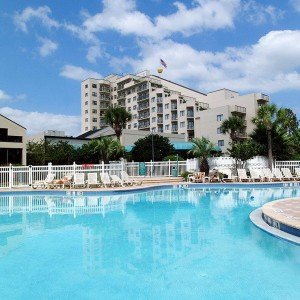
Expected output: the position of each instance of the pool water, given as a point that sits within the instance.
(160, 244)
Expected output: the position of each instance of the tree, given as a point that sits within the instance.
(243, 151)
(142, 149)
(266, 117)
(287, 120)
(233, 125)
(107, 149)
(202, 148)
(117, 117)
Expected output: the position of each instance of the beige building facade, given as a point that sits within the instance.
(162, 106)
(12, 142)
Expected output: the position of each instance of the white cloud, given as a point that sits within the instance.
(3, 96)
(36, 122)
(123, 16)
(93, 53)
(257, 13)
(78, 73)
(269, 65)
(48, 47)
(295, 4)
(28, 14)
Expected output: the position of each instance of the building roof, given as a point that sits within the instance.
(12, 121)
(86, 134)
(222, 90)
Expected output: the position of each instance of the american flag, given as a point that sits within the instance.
(163, 63)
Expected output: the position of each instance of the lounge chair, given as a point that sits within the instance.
(116, 180)
(197, 177)
(242, 176)
(79, 180)
(279, 175)
(255, 175)
(129, 180)
(269, 175)
(92, 180)
(43, 183)
(228, 173)
(287, 174)
(297, 171)
(105, 180)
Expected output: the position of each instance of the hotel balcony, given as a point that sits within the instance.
(174, 117)
(190, 127)
(202, 105)
(144, 115)
(239, 110)
(143, 107)
(159, 110)
(160, 121)
(144, 125)
(190, 114)
(262, 98)
(159, 100)
(242, 135)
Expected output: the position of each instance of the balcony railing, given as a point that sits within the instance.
(173, 107)
(144, 115)
(160, 121)
(241, 135)
(159, 110)
(143, 125)
(143, 106)
(159, 100)
(238, 109)
(174, 117)
(190, 114)
(190, 126)
(262, 97)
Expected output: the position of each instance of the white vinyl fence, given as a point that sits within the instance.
(24, 176)
(291, 164)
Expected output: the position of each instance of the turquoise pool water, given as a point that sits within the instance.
(162, 244)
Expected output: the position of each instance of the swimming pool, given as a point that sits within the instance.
(168, 243)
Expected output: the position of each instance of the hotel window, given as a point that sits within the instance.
(181, 113)
(167, 117)
(94, 85)
(86, 86)
(129, 108)
(86, 94)
(219, 130)
(128, 100)
(115, 88)
(86, 111)
(153, 99)
(86, 120)
(153, 109)
(115, 96)
(86, 128)
(134, 98)
(94, 119)
(167, 127)
(134, 107)
(134, 116)
(220, 143)
(94, 127)
(94, 94)
(135, 125)
(129, 126)
(94, 111)
(167, 106)
(153, 120)
(220, 117)
(86, 102)
(94, 102)
(182, 124)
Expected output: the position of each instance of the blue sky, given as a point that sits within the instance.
(48, 47)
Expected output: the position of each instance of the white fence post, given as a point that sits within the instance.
(10, 177)
(30, 175)
(102, 167)
(169, 167)
(74, 168)
(49, 168)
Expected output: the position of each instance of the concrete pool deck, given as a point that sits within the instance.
(280, 218)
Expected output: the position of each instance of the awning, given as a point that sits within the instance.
(178, 146)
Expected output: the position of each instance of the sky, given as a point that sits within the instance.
(48, 47)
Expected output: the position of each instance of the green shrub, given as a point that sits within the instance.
(185, 175)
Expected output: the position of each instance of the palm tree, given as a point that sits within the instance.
(202, 148)
(107, 148)
(233, 125)
(266, 117)
(117, 117)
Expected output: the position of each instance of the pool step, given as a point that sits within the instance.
(171, 180)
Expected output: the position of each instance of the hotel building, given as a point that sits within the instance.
(162, 106)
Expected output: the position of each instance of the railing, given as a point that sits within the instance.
(291, 164)
(238, 109)
(25, 176)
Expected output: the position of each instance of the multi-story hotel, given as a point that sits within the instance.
(159, 105)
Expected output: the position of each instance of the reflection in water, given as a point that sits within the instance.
(155, 232)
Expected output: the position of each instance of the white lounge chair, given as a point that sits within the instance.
(255, 175)
(105, 180)
(268, 174)
(92, 180)
(279, 175)
(79, 180)
(43, 183)
(297, 171)
(242, 175)
(287, 174)
(116, 180)
(129, 180)
(230, 177)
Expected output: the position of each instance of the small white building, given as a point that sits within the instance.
(12, 142)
